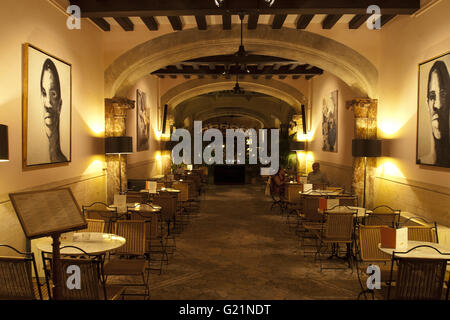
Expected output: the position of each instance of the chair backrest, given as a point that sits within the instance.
(90, 272)
(339, 226)
(16, 281)
(168, 203)
(369, 238)
(422, 233)
(382, 216)
(293, 192)
(134, 232)
(418, 279)
(310, 208)
(94, 225)
(183, 187)
(101, 211)
(351, 201)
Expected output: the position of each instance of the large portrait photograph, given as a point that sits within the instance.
(47, 109)
(143, 121)
(330, 122)
(433, 118)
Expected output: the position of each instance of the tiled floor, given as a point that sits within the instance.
(236, 248)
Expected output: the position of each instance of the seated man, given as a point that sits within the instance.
(316, 176)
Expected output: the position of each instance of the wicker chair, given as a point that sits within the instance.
(416, 232)
(417, 278)
(168, 203)
(154, 236)
(135, 234)
(382, 216)
(101, 211)
(92, 282)
(293, 204)
(94, 225)
(16, 279)
(369, 253)
(310, 220)
(337, 229)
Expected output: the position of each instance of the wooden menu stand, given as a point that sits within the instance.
(49, 213)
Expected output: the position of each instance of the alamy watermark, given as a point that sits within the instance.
(74, 20)
(74, 280)
(213, 152)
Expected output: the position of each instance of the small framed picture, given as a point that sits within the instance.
(47, 109)
(433, 118)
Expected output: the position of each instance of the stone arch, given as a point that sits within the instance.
(342, 61)
(274, 88)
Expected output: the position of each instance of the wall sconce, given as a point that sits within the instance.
(367, 148)
(119, 145)
(4, 150)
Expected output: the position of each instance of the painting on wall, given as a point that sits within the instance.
(330, 122)
(47, 109)
(433, 118)
(143, 121)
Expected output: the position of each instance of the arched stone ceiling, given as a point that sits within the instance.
(196, 87)
(327, 54)
(260, 107)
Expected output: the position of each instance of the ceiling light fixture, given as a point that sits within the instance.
(270, 2)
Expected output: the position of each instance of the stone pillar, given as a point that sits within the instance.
(115, 126)
(365, 111)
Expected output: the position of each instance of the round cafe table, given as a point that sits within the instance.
(423, 252)
(94, 243)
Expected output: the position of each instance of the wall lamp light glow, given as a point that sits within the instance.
(389, 168)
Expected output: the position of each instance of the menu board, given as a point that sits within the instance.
(42, 213)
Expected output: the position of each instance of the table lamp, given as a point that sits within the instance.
(119, 145)
(4, 153)
(367, 148)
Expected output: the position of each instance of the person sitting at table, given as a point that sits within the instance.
(317, 176)
(278, 182)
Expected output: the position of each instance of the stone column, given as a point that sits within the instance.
(365, 111)
(115, 126)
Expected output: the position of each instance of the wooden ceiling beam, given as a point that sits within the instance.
(176, 23)
(125, 23)
(226, 21)
(253, 21)
(201, 22)
(151, 23)
(136, 8)
(357, 21)
(330, 20)
(102, 23)
(278, 21)
(304, 20)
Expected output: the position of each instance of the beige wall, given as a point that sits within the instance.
(146, 164)
(406, 42)
(41, 24)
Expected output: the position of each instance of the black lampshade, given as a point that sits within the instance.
(366, 148)
(297, 145)
(4, 150)
(118, 145)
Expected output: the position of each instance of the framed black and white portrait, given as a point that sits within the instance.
(330, 122)
(142, 121)
(433, 118)
(47, 109)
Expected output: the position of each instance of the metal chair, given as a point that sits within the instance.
(154, 236)
(101, 211)
(92, 281)
(168, 203)
(382, 216)
(16, 278)
(417, 278)
(417, 232)
(134, 262)
(94, 225)
(369, 253)
(337, 229)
